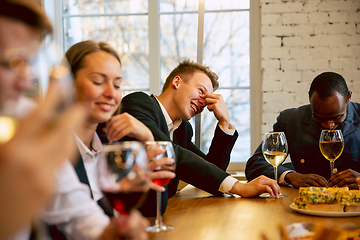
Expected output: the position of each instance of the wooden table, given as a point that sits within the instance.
(195, 214)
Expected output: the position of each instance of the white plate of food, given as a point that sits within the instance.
(324, 213)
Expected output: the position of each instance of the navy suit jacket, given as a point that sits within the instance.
(302, 134)
(205, 171)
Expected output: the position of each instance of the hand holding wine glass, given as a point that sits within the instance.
(155, 165)
(275, 148)
(331, 145)
(169, 153)
(22, 154)
(123, 175)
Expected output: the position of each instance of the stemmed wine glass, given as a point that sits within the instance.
(169, 152)
(123, 175)
(275, 148)
(331, 145)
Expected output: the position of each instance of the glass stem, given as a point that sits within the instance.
(332, 168)
(275, 172)
(158, 220)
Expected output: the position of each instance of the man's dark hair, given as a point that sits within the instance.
(327, 84)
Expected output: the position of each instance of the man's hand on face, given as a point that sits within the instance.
(216, 104)
(306, 180)
(345, 178)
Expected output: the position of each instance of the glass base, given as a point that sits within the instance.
(266, 195)
(160, 228)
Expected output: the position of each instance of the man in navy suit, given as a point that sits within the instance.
(187, 91)
(329, 108)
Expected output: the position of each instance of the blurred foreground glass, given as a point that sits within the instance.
(123, 175)
(331, 145)
(169, 152)
(30, 71)
(275, 148)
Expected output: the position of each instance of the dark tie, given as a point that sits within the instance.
(81, 172)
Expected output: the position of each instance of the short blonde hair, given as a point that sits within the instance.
(186, 69)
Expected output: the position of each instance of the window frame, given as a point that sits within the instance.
(54, 11)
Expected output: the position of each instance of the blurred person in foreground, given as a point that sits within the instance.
(97, 70)
(26, 174)
(188, 90)
(44, 139)
(329, 108)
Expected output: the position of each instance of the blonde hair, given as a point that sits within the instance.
(77, 52)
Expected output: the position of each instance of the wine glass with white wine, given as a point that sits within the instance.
(331, 145)
(275, 148)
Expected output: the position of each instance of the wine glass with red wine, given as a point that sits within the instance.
(169, 152)
(123, 175)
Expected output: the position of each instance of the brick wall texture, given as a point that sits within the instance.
(301, 39)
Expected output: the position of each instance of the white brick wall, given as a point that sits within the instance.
(301, 39)
(281, 7)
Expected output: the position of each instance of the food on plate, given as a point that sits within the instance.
(328, 199)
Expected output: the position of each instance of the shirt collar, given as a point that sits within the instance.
(171, 125)
(96, 145)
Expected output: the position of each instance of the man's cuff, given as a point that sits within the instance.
(282, 177)
(230, 131)
(227, 184)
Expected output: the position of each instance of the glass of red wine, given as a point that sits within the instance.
(169, 152)
(123, 175)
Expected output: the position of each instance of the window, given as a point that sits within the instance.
(225, 50)
(152, 37)
(122, 24)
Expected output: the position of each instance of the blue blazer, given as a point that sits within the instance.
(302, 134)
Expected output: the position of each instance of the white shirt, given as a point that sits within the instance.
(282, 177)
(72, 209)
(229, 181)
(90, 159)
